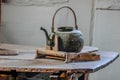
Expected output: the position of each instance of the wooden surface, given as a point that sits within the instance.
(27, 64)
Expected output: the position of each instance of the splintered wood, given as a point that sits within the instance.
(68, 57)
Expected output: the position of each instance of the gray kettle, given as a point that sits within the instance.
(70, 39)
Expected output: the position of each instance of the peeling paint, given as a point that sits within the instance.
(108, 4)
(37, 2)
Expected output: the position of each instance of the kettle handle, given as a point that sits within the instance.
(56, 13)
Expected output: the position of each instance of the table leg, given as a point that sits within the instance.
(69, 76)
(80, 76)
(84, 77)
(12, 72)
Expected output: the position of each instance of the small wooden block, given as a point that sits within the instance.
(86, 57)
(5, 52)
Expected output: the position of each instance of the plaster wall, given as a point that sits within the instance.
(21, 24)
(106, 36)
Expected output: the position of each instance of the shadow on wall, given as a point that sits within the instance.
(2, 38)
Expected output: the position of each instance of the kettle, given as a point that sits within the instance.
(69, 39)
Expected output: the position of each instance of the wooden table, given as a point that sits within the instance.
(71, 70)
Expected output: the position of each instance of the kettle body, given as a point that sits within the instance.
(69, 40)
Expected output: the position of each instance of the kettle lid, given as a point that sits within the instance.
(62, 29)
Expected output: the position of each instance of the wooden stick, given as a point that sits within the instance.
(54, 57)
(50, 52)
(7, 52)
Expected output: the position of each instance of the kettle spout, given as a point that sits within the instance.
(46, 33)
(49, 39)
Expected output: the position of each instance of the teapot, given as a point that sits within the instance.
(69, 39)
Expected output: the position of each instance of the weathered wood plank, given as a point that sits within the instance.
(48, 65)
(26, 62)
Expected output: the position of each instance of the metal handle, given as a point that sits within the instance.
(56, 13)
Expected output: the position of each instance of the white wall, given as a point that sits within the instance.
(22, 23)
(107, 30)
(83, 12)
(107, 38)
